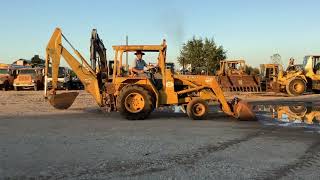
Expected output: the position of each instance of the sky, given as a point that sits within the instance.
(248, 29)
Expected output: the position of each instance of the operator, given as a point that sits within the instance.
(291, 61)
(291, 66)
(139, 64)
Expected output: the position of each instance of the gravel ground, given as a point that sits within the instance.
(39, 142)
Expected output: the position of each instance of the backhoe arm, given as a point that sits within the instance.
(98, 53)
(84, 72)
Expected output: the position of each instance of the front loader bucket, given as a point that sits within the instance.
(63, 100)
(243, 111)
(240, 83)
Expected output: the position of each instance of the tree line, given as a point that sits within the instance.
(203, 54)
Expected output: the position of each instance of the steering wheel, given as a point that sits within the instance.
(152, 69)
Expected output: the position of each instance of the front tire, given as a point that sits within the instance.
(197, 109)
(296, 87)
(135, 103)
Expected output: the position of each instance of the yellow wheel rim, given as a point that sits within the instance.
(298, 87)
(134, 102)
(199, 109)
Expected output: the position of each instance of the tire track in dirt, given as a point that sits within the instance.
(187, 159)
(143, 167)
(27, 178)
(308, 159)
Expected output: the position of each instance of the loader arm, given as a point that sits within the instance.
(215, 87)
(237, 108)
(82, 69)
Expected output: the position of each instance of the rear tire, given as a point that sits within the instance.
(296, 87)
(135, 103)
(6, 86)
(197, 109)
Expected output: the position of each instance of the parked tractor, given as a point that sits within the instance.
(294, 81)
(269, 77)
(232, 76)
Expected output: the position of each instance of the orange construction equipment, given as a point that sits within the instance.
(136, 96)
(232, 76)
(7, 75)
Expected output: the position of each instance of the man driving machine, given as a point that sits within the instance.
(138, 64)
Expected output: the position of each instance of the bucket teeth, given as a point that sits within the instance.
(63, 100)
(244, 83)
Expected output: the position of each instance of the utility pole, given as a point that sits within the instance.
(183, 66)
(127, 66)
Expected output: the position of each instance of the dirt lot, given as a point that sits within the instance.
(38, 142)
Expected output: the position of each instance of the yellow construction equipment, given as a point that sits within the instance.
(232, 76)
(311, 65)
(292, 81)
(297, 79)
(135, 97)
(269, 75)
(7, 75)
(28, 78)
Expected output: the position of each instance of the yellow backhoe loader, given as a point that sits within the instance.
(136, 96)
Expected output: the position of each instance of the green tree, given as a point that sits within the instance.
(202, 54)
(252, 71)
(37, 61)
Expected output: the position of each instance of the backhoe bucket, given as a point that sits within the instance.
(243, 111)
(63, 100)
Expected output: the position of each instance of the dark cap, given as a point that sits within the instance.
(139, 52)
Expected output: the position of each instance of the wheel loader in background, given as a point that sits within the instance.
(295, 80)
(232, 76)
(275, 79)
(135, 97)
